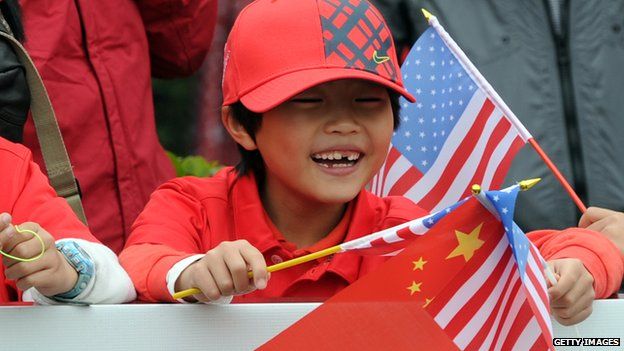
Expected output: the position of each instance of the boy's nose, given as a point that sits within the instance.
(343, 123)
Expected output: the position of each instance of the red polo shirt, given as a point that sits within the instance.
(190, 215)
(27, 196)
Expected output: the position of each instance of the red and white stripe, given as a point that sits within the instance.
(479, 149)
(396, 176)
(389, 241)
(491, 309)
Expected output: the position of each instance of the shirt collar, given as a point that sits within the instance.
(252, 223)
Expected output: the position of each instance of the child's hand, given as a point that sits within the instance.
(223, 271)
(572, 297)
(610, 223)
(50, 275)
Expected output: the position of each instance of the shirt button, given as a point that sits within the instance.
(276, 259)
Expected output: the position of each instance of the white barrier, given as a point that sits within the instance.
(139, 327)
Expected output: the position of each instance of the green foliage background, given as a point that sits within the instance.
(175, 104)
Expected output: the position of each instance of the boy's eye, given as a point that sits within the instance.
(369, 99)
(306, 100)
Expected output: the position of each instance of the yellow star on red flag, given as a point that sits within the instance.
(415, 287)
(427, 302)
(420, 264)
(468, 243)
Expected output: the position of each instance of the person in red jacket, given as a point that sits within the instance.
(312, 106)
(28, 203)
(96, 59)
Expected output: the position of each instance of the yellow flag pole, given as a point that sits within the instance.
(524, 185)
(276, 267)
(528, 184)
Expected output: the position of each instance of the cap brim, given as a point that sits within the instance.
(269, 95)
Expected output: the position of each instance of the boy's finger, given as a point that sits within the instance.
(575, 302)
(18, 270)
(220, 273)
(209, 289)
(43, 281)
(12, 238)
(5, 220)
(26, 249)
(578, 294)
(38, 279)
(237, 266)
(599, 226)
(581, 316)
(5, 234)
(256, 262)
(563, 286)
(594, 214)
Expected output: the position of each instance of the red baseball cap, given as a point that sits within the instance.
(279, 48)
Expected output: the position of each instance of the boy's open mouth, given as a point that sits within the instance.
(336, 159)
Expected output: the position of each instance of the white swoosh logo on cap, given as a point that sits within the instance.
(379, 59)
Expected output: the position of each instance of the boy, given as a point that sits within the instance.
(310, 96)
(74, 266)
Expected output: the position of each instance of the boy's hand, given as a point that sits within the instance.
(51, 274)
(572, 297)
(223, 272)
(608, 222)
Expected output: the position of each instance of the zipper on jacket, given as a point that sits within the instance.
(562, 46)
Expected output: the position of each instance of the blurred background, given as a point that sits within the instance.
(188, 110)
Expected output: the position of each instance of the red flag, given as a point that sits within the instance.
(416, 301)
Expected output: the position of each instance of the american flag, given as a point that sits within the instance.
(391, 241)
(530, 267)
(458, 133)
(502, 303)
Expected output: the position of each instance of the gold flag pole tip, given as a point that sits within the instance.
(476, 189)
(528, 184)
(427, 14)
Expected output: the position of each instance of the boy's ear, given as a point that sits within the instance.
(236, 130)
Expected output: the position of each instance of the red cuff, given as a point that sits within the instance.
(597, 253)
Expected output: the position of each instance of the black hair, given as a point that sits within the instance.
(251, 121)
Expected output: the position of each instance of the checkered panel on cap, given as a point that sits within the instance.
(356, 36)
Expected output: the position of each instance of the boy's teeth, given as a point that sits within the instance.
(337, 155)
(335, 165)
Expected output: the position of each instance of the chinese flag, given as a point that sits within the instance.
(388, 309)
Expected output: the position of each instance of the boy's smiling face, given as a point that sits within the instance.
(323, 145)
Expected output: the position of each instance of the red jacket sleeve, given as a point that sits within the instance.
(599, 255)
(179, 33)
(168, 230)
(36, 201)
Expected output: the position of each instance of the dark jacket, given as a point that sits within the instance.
(14, 93)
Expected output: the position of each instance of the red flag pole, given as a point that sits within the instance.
(558, 175)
